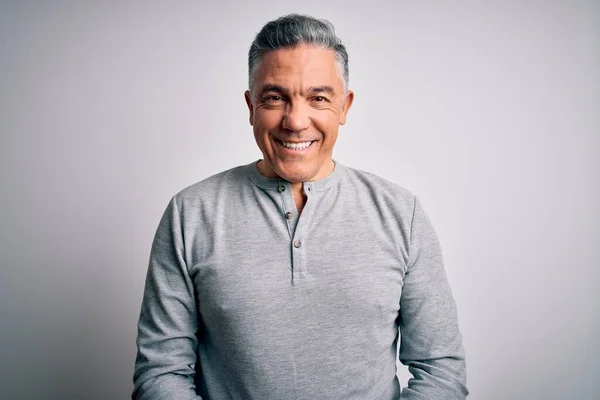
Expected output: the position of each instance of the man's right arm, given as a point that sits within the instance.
(168, 323)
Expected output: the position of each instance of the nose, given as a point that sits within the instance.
(296, 117)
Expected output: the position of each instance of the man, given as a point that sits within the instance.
(295, 277)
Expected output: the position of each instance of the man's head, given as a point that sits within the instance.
(298, 96)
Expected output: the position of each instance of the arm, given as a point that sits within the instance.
(431, 343)
(168, 323)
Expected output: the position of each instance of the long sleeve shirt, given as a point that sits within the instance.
(246, 299)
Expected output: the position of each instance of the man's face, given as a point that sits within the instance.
(296, 107)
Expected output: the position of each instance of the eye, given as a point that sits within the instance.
(320, 99)
(273, 98)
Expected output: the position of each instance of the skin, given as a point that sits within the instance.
(298, 96)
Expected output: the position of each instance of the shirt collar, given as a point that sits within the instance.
(274, 183)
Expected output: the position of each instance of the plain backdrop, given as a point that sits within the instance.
(487, 110)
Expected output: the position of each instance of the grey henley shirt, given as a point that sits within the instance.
(244, 299)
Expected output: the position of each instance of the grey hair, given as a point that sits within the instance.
(291, 31)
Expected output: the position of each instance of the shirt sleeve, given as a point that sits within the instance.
(168, 322)
(430, 340)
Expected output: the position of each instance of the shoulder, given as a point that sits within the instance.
(212, 188)
(379, 189)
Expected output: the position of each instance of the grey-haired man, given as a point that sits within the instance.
(296, 277)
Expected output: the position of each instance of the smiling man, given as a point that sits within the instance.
(296, 277)
(297, 102)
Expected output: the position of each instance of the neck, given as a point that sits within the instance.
(297, 187)
(266, 171)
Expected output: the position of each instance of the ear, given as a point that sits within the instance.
(250, 107)
(346, 106)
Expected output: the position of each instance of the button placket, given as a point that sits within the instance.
(298, 260)
(288, 207)
(298, 244)
(289, 216)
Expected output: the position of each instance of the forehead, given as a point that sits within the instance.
(302, 65)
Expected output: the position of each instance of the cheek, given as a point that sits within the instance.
(264, 123)
(262, 139)
(266, 120)
(328, 125)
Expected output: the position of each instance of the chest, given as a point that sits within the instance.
(334, 260)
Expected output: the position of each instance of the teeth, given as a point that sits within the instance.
(296, 146)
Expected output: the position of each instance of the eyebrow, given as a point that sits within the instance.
(282, 90)
(272, 88)
(320, 89)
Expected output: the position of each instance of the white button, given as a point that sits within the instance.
(281, 188)
(297, 243)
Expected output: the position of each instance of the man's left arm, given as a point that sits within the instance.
(430, 341)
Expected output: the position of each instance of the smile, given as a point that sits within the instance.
(298, 146)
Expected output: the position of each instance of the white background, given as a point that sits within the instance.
(487, 110)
